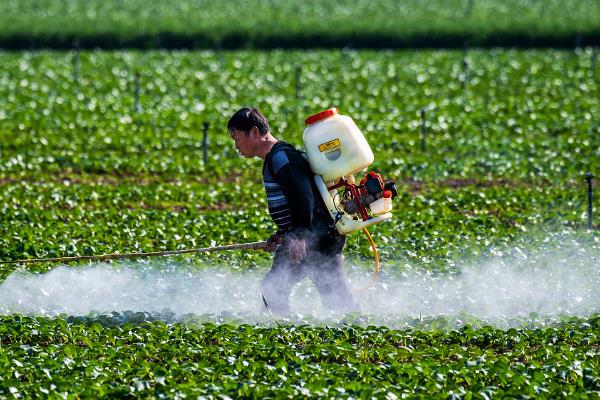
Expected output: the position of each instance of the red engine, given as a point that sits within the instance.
(356, 198)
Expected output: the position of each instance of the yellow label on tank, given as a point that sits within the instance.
(332, 144)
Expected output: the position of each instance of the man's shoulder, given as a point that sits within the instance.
(284, 153)
(279, 160)
(284, 150)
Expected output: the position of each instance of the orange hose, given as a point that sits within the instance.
(376, 273)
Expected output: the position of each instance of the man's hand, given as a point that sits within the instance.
(272, 243)
(297, 250)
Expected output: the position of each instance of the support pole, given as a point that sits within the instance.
(298, 82)
(205, 142)
(423, 130)
(136, 92)
(75, 61)
(588, 178)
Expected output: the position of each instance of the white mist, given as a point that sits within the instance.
(549, 284)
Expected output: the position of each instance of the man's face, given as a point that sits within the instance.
(245, 142)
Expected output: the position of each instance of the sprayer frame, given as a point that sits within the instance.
(342, 222)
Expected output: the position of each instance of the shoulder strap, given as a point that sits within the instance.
(281, 146)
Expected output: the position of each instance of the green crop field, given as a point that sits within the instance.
(489, 278)
(510, 136)
(307, 24)
(42, 357)
(102, 152)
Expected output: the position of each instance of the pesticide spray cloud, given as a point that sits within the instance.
(510, 285)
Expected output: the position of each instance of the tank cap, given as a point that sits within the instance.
(322, 115)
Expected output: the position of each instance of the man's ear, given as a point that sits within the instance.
(254, 132)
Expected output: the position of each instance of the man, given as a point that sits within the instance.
(305, 242)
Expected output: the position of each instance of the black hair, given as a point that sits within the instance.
(245, 118)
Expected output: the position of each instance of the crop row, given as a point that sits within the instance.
(44, 357)
(487, 114)
(286, 23)
(432, 228)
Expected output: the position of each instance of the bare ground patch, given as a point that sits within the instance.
(182, 207)
(455, 183)
(132, 206)
(120, 179)
(116, 179)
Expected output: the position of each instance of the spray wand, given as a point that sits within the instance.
(251, 246)
(240, 246)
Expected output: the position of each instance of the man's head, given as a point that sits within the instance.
(248, 127)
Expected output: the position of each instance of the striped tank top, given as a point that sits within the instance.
(278, 205)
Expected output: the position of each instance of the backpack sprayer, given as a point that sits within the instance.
(336, 149)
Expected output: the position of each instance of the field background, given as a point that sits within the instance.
(308, 24)
(101, 151)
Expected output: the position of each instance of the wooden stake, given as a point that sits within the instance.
(423, 130)
(465, 73)
(75, 61)
(136, 92)
(588, 178)
(205, 142)
(298, 82)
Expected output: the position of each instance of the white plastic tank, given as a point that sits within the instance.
(335, 146)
